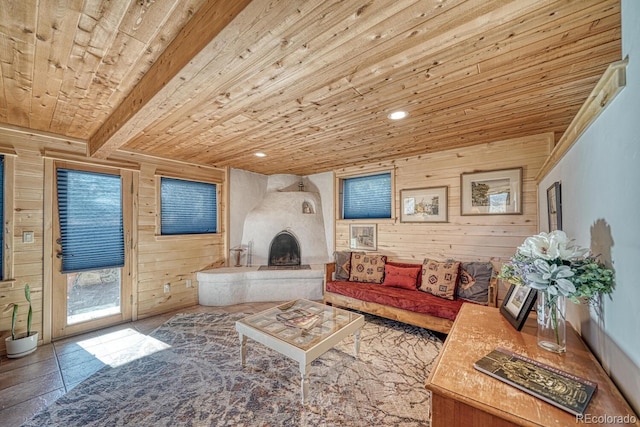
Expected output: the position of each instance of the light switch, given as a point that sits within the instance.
(27, 237)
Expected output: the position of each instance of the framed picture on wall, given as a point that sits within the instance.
(497, 192)
(424, 204)
(554, 207)
(517, 304)
(362, 236)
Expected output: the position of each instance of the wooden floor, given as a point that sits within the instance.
(29, 384)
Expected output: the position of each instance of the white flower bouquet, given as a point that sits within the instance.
(558, 270)
(551, 263)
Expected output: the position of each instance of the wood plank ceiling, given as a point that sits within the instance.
(309, 83)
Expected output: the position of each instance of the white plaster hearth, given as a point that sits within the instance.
(235, 285)
(285, 208)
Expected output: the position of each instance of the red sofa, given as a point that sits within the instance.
(405, 305)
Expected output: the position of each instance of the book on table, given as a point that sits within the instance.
(557, 387)
(299, 318)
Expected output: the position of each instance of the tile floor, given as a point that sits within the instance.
(31, 383)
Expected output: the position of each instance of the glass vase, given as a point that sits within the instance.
(552, 330)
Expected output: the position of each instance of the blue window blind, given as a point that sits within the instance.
(1, 216)
(91, 229)
(188, 207)
(367, 197)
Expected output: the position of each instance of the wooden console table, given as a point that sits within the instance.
(463, 396)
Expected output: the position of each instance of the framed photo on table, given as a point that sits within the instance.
(497, 192)
(424, 204)
(554, 207)
(517, 304)
(362, 236)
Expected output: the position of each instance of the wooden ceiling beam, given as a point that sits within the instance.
(131, 116)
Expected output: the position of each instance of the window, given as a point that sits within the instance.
(188, 207)
(1, 217)
(367, 196)
(91, 227)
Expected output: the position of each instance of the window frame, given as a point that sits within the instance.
(340, 179)
(158, 233)
(6, 255)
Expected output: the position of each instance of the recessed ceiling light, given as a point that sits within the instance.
(397, 115)
(261, 155)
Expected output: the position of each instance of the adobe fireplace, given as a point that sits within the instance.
(284, 250)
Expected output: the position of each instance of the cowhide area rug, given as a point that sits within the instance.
(199, 381)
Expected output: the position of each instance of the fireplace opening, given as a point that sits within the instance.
(284, 250)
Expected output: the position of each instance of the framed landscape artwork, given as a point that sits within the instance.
(554, 207)
(517, 304)
(362, 236)
(497, 192)
(424, 204)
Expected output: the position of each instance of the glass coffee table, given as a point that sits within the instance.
(301, 330)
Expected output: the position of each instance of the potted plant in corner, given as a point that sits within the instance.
(22, 344)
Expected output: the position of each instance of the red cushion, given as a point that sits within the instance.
(414, 300)
(408, 265)
(401, 277)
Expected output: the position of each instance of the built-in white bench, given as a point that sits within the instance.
(235, 285)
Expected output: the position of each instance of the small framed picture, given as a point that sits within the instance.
(497, 192)
(517, 304)
(424, 205)
(362, 236)
(554, 207)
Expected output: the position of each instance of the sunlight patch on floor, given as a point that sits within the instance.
(120, 347)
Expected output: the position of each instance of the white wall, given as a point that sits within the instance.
(600, 177)
(324, 184)
(246, 190)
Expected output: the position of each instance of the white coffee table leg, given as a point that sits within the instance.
(243, 349)
(356, 339)
(304, 382)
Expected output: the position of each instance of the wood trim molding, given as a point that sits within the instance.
(79, 158)
(47, 250)
(609, 85)
(136, 156)
(41, 134)
(8, 227)
(7, 151)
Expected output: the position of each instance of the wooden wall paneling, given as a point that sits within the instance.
(172, 259)
(155, 259)
(467, 238)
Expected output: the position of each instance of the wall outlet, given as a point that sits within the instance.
(167, 288)
(188, 281)
(27, 237)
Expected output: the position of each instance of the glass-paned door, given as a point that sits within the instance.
(91, 231)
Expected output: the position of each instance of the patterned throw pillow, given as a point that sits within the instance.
(367, 268)
(440, 278)
(475, 278)
(343, 264)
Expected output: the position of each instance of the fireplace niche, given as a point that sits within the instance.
(284, 251)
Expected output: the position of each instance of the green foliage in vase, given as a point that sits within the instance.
(551, 263)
